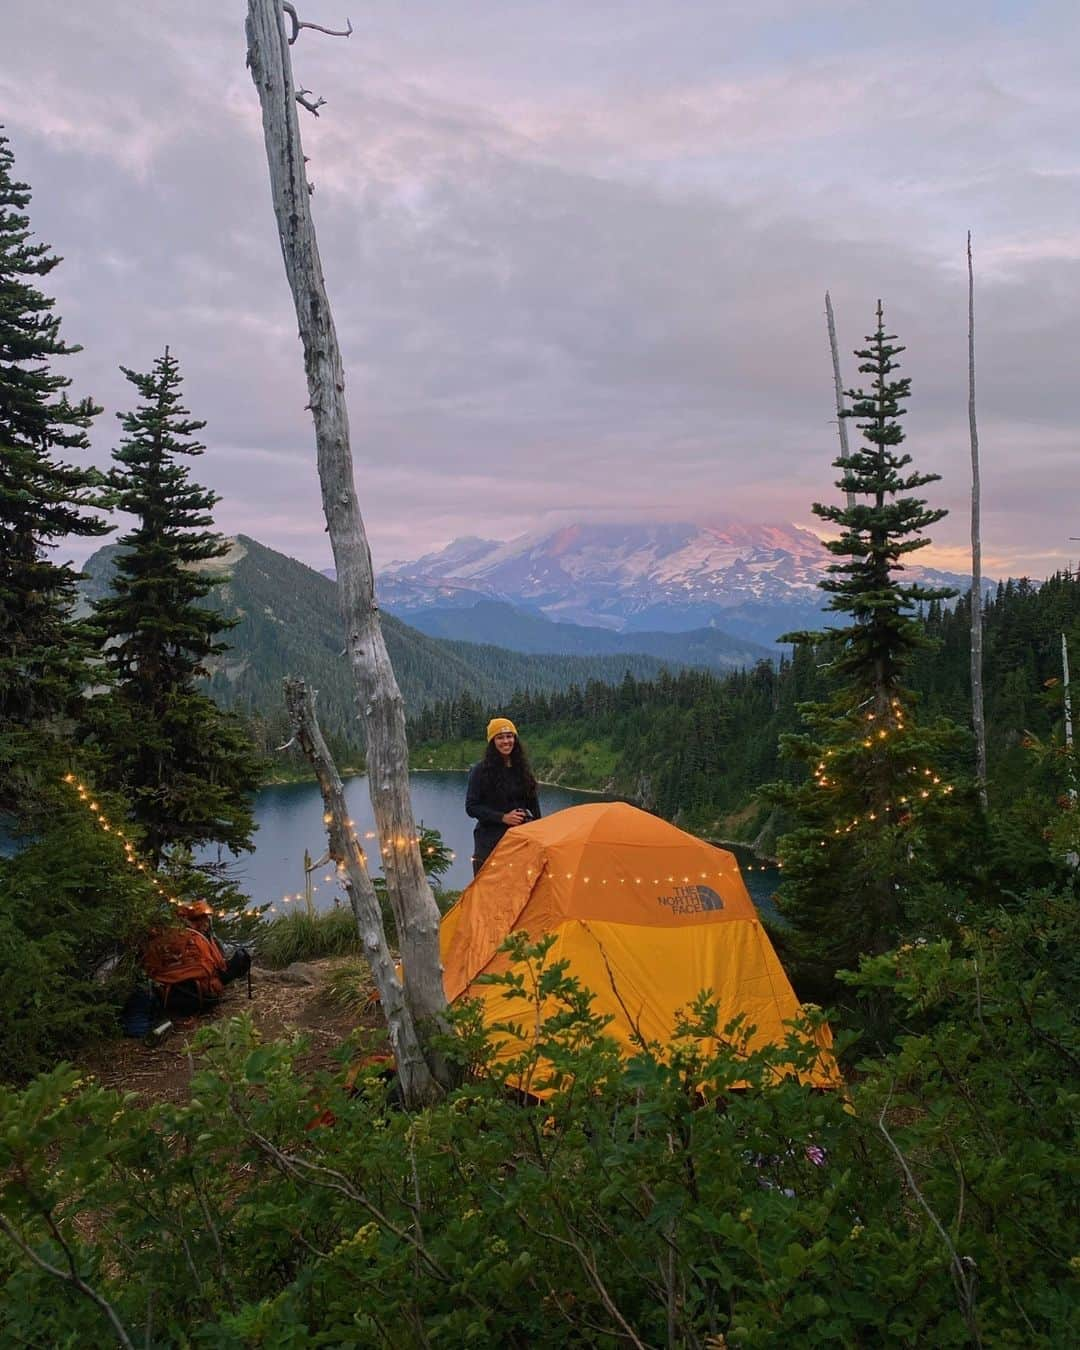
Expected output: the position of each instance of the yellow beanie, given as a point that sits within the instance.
(498, 724)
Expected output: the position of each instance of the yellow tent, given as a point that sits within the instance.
(634, 902)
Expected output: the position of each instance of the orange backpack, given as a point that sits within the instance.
(183, 954)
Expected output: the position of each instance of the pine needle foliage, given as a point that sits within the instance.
(43, 502)
(187, 767)
(73, 912)
(877, 808)
(883, 526)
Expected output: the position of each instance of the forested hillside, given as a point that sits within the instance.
(287, 623)
(1024, 624)
(696, 747)
(504, 625)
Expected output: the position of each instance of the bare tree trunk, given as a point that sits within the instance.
(1068, 710)
(1072, 858)
(838, 385)
(413, 1072)
(382, 712)
(977, 718)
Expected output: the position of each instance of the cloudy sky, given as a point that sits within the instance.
(577, 250)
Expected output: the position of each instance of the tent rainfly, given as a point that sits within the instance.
(634, 903)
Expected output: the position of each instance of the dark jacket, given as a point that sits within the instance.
(491, 793)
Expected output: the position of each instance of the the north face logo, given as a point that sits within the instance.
(691, 900)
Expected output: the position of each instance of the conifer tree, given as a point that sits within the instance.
(43, 502)
(863, 861)
(186, 766)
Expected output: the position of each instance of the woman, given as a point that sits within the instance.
(501, 791)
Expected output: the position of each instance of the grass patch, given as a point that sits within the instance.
(588, 764)
(300, 936)
(446, 755)
(351, 986)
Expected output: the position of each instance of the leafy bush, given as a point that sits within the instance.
(620, 1209)
(984, 1094)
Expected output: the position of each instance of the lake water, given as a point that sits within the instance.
(289, 817)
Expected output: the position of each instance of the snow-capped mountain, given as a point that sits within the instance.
(754, 581)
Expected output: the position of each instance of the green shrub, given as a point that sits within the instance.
(622, 1209)
(985, 1093)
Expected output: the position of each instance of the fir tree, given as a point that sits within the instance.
(43, 502)
(186, 766)
(863, 862)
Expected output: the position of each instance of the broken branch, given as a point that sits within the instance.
(296, 24)
(303, 98)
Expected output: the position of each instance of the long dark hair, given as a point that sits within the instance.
(492, 764)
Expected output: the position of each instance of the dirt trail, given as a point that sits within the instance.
(280, 1009)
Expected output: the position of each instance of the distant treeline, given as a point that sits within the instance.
(1023, 627)
(696, 746)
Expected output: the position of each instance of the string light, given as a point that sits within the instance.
(129, 848)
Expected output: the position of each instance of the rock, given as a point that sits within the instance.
(299, 973)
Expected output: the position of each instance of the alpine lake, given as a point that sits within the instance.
(290, 822)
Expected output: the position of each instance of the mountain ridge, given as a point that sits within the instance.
(288, 623)
(751, 581)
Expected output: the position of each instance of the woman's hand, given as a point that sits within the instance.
(515, 817)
